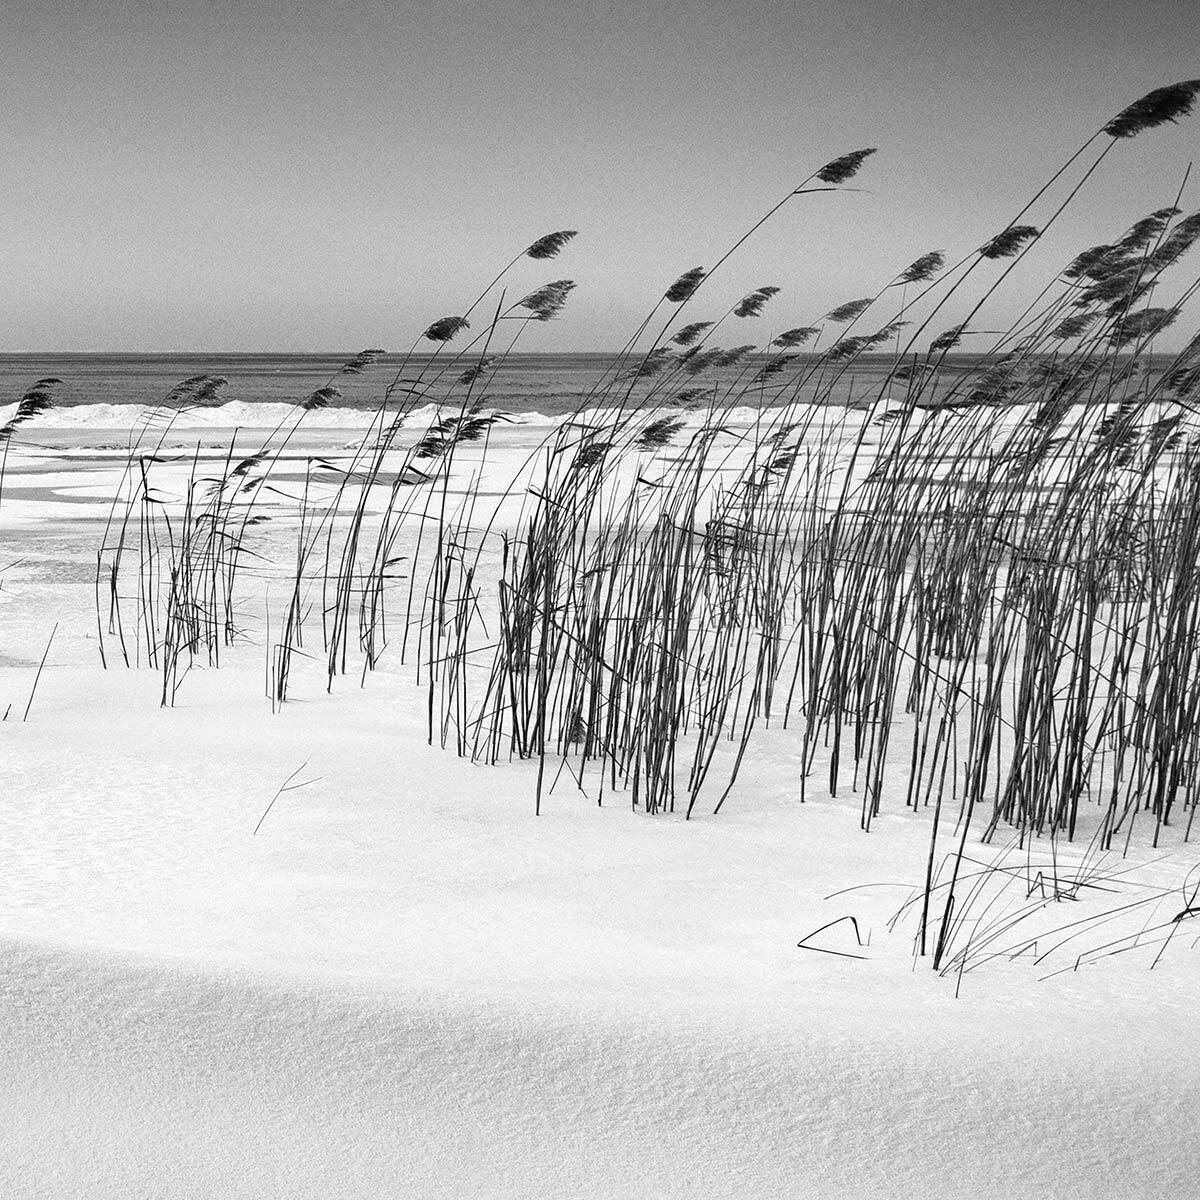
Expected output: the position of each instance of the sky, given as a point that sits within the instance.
(273, 175)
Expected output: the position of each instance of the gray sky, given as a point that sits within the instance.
(214, 175)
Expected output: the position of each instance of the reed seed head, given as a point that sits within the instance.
(1140, 326)
(208, 393)
(687, 397)
(923, 268)
(775, 366)
(845, 167)
(320, 398)
(1176, 243)
(685, 286)
(1008, 242)
(728, 358)
(695, 360)
(184, 389)
(473, 373)
(885, 334)
(550, 245)
(1155, 108)
(547, 302)
(35, 401)
(658, 433)
(1074, 326)
(1093, 263)
(651, 365)
(752, 305)
(1141, 233)
(848, 347)
(849, 310)
(444, 328)
(689, 333)
(590, 454)
(795, 337)
(362, 360)
(948, 339)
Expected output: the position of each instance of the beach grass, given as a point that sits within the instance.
(966, 593)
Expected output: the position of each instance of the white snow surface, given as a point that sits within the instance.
(407, 985)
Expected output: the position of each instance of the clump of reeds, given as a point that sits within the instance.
(972, 576)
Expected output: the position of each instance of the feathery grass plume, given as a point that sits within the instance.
(1155, 108)
(997, 383)
(1191, 350)
(550, 245)
(1141, 233)
(35, 401)
(1183, 382)
(1116, 428)
(1074, 326)
(689, 333)
(848, 347)
(1008, 241)
(1166, 425)
(183, 390)
(752, 305)
(208, 393)
(845, 167)
(547, 302)
(437, 439)
(684, 286)
(473, 429)
(885, 334)
(776, 366)
(443, 435)
(1045, 373)
(247, 464)
(651, 365)
(1176, 243)
(444, 328)
(687, 397)
(658, 433)
(473, 373)
(727, 358)
(695, 360)
(849, 310)
(948, 339)
(362, 360)
(922, 269)
(1115, 286)
(791, 338)
(1094, 263)
(321, 398)
(1146, 323)
(1087, 262)
(590, 454)
(1122, 304)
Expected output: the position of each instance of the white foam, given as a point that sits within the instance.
(239, 414)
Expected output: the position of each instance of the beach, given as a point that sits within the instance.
(306, 952)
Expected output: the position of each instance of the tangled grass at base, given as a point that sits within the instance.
(970, 592)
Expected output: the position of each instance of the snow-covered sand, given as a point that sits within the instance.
(405, 984)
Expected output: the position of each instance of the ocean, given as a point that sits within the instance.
(531, 385)
(549, 384)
